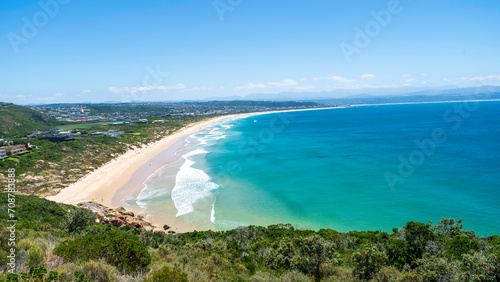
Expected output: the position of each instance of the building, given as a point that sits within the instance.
(3, 154)
(16, 149)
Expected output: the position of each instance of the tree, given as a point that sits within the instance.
(448, 227)
(417, 235)
(368, 262)
(461, 244)
(77, 220)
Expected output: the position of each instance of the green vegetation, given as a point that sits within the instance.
(17, 121)
(79, 126)
(50, 166)
(47, 248)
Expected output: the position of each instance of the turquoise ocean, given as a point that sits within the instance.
(356, 168)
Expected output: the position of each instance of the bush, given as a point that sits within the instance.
(336, 273)
(411, 276)
(121, 250)
(417, 235)
(35, 250)
(167, 274)
(39, 273)
(368, 262)
(480, 267)
(438, 269)
(461, 244)
(294, 276)
(388, 274)
(77, 220)
(98, 271)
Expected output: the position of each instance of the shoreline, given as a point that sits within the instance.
(125, 175)
(103, 185)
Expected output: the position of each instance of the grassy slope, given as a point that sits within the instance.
(18, 121)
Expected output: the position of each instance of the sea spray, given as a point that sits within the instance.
(191, 185)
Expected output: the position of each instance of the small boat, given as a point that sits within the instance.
(254, 120)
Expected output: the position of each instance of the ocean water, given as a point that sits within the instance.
(357, 168)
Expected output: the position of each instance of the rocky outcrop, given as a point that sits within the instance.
(117, 217)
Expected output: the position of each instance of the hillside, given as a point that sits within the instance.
(18, 121)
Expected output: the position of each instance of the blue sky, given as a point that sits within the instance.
(74, 51)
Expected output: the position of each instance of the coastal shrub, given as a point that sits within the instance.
(122, 250)
(168, 274)
(397, 253)
(480, 267)
(35, 249)
(368, 262)
(98, 271)
(282, 255)
(314, 251)
(411, 276)
(461, 244)
(341, 274)
(438, 269)
(39, 273)
(387, 274)
(294, 275)
(448, 227)
(416, 235)
(78, 219)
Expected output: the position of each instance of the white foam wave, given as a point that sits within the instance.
(191, 185)
(195, 152)
(212, 214)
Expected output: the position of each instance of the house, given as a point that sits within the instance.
(3, 154)
(159, 121)
(16, 149)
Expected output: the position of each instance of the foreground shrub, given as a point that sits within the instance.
(480, 267)
(124, 251)
(39, 274)
(167, 274)
(388, 274)
(77, 220)
(99, 271)
(368, 262)
(438, 269)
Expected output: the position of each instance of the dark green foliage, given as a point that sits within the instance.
(461, 244)
(417, 235)
(168, 275)
(117, 248)
(78, 219)
(39, 274)
(34, 213)
(368, 262)
(397, 253)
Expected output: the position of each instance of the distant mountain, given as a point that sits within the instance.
(18, 121)
(381, 95)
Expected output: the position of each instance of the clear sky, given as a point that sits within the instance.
(122, 50)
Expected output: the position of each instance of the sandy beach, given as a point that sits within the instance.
(103, 184)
